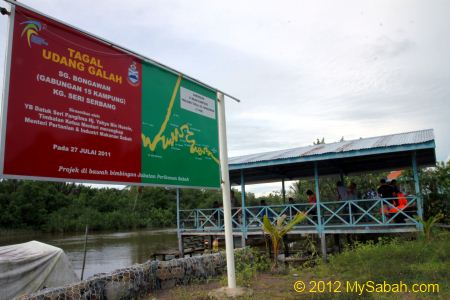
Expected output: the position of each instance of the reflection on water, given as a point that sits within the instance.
(106, 251)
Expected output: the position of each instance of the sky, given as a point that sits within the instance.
(303, 69)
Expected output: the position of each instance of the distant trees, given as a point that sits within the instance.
(318, 142)
(435, 188)
(322, 141)
(62, 207)
(53, 206)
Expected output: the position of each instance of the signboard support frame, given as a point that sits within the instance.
(13, 3)
(180, 238)
(226, 192)
(6, 85)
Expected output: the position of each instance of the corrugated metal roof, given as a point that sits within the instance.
(399, 139)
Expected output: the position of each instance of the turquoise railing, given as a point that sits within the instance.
(364, 213)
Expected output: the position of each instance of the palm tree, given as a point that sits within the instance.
(278, 230)
(295, 190)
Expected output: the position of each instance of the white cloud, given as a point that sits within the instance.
(303, 69)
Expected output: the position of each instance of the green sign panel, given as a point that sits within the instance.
(179, 131)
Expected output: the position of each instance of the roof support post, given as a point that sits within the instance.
(320, 230)
(283, 191)
(243, 214)
(323, 246)
(417, 188)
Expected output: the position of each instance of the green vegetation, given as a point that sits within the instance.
(248, 263)
(390, 260)
(277, 231)
(394, 261)
(435, 189)
(429, 225)
(62, 207)
(59, 207)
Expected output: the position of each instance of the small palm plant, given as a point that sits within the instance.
(429, 224)
(278, 230)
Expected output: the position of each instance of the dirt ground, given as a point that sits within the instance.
(267, 287)
(264, 286)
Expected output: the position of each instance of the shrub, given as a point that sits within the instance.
(248, 262)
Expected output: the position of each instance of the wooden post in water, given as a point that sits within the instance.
(85, 247)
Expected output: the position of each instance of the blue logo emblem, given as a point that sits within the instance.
(133, 74)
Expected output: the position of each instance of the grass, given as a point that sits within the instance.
(392, 261)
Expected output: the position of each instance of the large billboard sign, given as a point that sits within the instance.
(78, 109)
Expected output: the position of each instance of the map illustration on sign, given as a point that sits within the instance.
(175, 138)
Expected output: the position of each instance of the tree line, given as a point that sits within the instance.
(62, 207)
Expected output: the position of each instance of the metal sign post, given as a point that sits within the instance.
(229, 247)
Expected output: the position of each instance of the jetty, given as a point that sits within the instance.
(410, 150)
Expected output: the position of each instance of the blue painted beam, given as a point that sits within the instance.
(317, 192)
(243, 214)
(417, 188)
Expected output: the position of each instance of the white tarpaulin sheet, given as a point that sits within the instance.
(29, 267)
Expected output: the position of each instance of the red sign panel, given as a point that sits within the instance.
(73, 107)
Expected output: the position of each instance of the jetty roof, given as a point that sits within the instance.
(388, 152)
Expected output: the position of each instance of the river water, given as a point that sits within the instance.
(105, 251)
